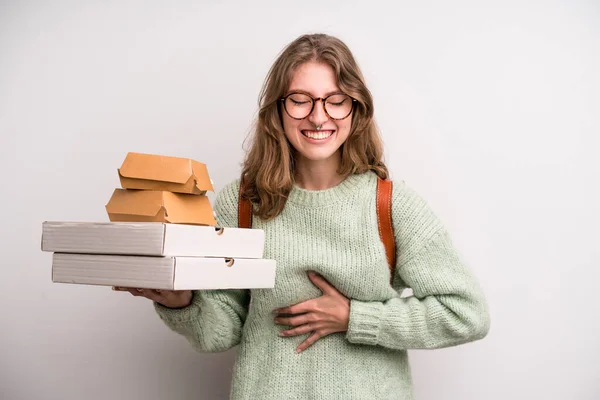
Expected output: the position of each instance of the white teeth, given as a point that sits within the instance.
(318, 135)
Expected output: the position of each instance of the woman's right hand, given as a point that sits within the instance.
(168, 298)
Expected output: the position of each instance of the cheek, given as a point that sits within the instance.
(344, 126)
(290, 126)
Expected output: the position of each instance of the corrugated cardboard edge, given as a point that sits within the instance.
(52, 269)
(174, 273)
(164, 238)
(42, 236)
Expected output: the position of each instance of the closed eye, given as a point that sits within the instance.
(298, 102)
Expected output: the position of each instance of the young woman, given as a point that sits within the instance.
(335, 325)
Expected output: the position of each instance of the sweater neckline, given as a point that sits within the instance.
(326, 197)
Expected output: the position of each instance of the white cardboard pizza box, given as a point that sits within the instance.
(151, 239)
(171, 273)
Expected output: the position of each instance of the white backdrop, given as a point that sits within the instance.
(489, 109)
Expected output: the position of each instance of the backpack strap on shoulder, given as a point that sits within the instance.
(244, 210)
(384, 221)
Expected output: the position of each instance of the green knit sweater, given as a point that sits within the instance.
(334, 232)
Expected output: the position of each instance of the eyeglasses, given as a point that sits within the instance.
(299, 105)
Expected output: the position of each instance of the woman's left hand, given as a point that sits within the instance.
(322, 316)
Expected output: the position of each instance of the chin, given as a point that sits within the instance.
(318, 155)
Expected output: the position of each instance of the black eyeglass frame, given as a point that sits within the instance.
(314, 101)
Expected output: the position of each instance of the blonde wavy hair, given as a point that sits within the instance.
(268, 173)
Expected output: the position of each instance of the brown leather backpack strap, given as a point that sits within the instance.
(244, 210)
(384, 221)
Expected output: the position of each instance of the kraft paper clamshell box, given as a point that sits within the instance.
(164, 173)
(151, 239)
(127, 205)
(171, 273)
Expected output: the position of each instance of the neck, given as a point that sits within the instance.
(318, 175)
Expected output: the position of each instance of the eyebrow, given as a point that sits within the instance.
(306, 91)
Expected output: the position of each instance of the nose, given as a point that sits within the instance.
(318, 116)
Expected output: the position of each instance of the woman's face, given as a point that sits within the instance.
(317, 80)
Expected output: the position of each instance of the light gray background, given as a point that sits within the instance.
(488, 109)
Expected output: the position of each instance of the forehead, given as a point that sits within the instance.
(318, 79)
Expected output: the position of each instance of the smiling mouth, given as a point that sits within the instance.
(317, 135)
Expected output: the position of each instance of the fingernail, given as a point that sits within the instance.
(298, 351)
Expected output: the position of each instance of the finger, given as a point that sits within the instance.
(147, 293)
(321, 283)
(153, 294)
(134, 291)
(301, 330)
(309, 341)
(124, 289)
(299, 308)
(297, 320)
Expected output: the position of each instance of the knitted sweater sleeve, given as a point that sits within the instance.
(213, 321)
(447, 307)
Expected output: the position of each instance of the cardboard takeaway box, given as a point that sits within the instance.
(157, 188)
(127, 205)
(164, 173)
